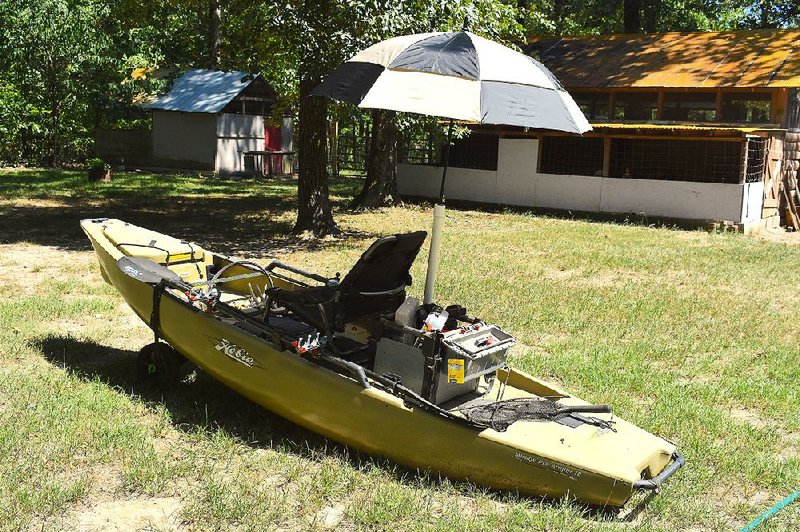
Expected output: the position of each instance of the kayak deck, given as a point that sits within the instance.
(233, 319)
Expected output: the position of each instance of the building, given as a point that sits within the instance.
(209, 119)
(686, 126)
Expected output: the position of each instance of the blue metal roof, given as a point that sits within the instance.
(203, 91)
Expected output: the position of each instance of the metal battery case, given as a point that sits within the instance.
(483, 349)
(408, 363)
(460, 348)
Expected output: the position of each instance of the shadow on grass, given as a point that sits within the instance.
(243, 218)
(206, 405)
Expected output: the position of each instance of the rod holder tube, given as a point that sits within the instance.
(433, 254)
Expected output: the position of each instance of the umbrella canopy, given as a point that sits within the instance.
(460, 76)
(456, 75)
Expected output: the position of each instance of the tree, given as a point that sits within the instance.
(590, 17)
(631, 16)
(214, 33)
(56, 56)
(380, 185)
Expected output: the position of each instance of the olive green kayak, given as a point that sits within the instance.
(356, 360)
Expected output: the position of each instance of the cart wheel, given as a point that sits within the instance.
(158, 364)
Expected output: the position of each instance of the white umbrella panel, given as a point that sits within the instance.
(455, 75)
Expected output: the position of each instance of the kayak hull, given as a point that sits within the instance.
(589, 463)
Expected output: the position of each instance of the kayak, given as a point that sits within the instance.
(358, 361)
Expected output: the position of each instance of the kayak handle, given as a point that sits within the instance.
(294, 269)
(352, 367)
(585, 409)
(655, 483)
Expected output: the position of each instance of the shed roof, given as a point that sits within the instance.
(203, 91)
(757, 58)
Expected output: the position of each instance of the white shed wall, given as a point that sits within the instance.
(516, 182)
(248, 126)
(184, 138)
(230, 157)
(237, 134)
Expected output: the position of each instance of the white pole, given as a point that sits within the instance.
(438, 222)
(433, 255)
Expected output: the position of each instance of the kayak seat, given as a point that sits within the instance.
(375, 285)
(137, 242)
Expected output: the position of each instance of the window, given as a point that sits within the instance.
(572, 156)
(690, 106)
(594, 105)
(677, 160)
(475, 151)
(635, 105)
(753, 107)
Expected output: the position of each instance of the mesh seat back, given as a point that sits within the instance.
(385, 265)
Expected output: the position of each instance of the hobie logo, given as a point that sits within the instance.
(235, 352)
(133, 272)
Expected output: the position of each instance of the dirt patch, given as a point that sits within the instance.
(37, 202)
(329, 517)
(790, 449)
(750, 417)
(779, 235)
(159, 513)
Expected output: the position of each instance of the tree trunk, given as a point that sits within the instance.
(380, 187)
(631, 13)
(214, 33)
(313, 205)
(766, 8)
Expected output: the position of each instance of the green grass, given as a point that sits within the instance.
(692, 335)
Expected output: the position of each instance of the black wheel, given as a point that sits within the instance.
(158, 364)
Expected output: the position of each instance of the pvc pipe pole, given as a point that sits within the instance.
(433, 254)
(438, 222)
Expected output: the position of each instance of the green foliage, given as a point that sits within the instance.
(96, 163)
(582, 17)
(65, 64)
(55, 55)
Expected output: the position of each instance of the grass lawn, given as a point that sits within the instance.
(689, 334)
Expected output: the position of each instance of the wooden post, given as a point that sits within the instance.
(743, 177)
(606, 156)
(539, 154)
(333, 134)
(611, 99)
(660, 105)
(778, 106)
(718, 109)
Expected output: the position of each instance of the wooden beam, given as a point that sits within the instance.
(778, 105)
(539, 155)
(606, 156)
(743, 176)
(660, 105)
(611, 100)
(718, 110)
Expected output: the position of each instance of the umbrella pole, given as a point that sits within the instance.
(438, 222)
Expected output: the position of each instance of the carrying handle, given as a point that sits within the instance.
(655, 483)
(585, 409)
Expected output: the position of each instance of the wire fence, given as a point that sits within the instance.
(352, 145)
(572, 156)
(679, 160)
(756, 160)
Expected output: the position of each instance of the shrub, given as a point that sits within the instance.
(97, 163)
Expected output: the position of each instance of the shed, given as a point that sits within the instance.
(209, 119)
